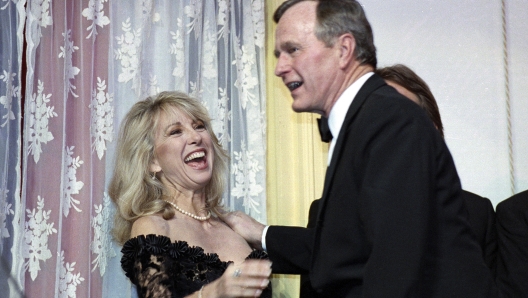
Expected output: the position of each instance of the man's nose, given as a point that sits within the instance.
(283, 66)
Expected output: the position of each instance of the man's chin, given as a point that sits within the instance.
(298, 107)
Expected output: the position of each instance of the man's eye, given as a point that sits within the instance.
(292, 50)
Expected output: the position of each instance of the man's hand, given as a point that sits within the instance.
(245, 226)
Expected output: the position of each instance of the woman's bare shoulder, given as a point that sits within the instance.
(150, 224)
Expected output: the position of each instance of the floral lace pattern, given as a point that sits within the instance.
(85, 63)
(161, 268)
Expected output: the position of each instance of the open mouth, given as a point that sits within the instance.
(197, 160)
(195, 157)
(293, 85)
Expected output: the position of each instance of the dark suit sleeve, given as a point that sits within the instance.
(289, 248)
(512, 236)
(482, 222)
(490, 244)
(306, 290)
(312, 214)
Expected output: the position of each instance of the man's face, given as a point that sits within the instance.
(306, 65)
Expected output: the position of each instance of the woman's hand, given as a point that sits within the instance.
(244, 280)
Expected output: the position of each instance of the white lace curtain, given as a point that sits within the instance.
(85, 63)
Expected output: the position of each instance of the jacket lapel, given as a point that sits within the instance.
(373, 83)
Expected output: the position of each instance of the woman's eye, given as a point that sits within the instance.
(175, 132)
(200, 127)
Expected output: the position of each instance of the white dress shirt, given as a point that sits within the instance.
(340, 109)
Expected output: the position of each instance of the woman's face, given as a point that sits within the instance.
(183, 152)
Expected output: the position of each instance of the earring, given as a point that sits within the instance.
(153, 176)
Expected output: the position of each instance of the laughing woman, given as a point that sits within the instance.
(169, 176)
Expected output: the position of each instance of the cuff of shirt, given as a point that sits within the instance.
(263, 239)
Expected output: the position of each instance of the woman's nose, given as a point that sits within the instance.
(194, 137)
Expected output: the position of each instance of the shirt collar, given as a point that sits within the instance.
(340, 108)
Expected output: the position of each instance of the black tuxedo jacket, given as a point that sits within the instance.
(512, 236)
(482, 222)
(481, 217)
(391, 221)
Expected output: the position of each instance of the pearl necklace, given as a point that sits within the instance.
(200, 218)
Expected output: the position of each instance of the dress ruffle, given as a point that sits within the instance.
(161, 268)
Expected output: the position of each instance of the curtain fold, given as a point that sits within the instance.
(12, 17)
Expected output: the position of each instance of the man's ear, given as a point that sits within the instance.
(347, 46)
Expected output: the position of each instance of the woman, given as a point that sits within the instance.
(168, 181)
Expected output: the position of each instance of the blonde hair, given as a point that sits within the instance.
(133, 190)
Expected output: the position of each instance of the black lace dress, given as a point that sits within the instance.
(161, 268)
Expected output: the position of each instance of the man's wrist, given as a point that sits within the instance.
(263, 238)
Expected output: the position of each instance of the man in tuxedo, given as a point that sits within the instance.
(481, 213)
(391, 222)
(512, 237)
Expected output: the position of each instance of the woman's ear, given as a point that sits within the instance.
(154, 166)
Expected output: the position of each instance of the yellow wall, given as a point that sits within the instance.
(296, 158)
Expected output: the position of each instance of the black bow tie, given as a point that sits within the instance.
(324, 130)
